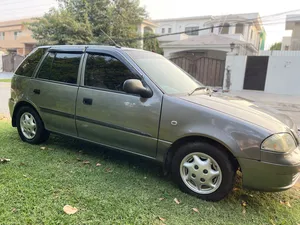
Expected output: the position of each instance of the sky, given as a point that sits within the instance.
(159, 9)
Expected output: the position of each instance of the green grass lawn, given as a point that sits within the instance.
(36, 184)
(5, 80)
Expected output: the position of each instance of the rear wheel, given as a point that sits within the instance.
(30, 126)
(203, 170)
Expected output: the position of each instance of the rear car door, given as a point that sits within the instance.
(107, 115)
(54, 90)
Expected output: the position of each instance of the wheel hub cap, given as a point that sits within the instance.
(201, 173)
(28, 125)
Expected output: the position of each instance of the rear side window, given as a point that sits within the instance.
(62, 67)
(29, 64)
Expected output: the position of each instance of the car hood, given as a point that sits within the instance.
(238, 107)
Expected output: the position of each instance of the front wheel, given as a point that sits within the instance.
(30, 126)
(203, 170)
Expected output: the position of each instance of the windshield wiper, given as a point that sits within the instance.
(197, 89)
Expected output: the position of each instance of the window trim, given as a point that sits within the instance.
(118, 57)
(54, 81)
(193, 28)
(16, 35)
(2, 36)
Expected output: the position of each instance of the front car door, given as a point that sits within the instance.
(107, 115)
(54, 90)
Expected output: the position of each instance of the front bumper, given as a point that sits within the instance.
(279, 173)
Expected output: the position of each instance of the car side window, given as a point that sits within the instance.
(29, 64)
(45, 69)
(107, 72)
(62, 67)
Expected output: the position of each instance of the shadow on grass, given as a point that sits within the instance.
(143, 165)
(119, 157)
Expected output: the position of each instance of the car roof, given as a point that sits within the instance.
(83, 48)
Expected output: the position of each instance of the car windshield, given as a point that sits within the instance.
(169, 77)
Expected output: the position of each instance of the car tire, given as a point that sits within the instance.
(203, 170)
(30, 126)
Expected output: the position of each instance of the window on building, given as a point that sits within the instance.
(29, 64)
(251, 34)
(169, 30)
(107, 72)
(193, 31)
(16, 34)
(148, 30)
(162, 30)
(62, 67)
(239, 28)
(2, 35)
(225, 28)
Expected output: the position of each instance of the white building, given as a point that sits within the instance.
(242, 30)
(292, 42)
(146, 26)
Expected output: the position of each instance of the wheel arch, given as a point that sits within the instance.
(197, 138)
(16, 109)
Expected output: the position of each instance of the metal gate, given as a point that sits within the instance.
(208, 71)
(11, 62)
(256, 72)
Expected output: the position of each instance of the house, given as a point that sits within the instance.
(244, 31)
(15, 36)
(200, 44)
(146, 26)
(292, 42)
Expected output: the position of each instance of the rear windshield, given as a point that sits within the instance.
(169, 77)
(29, 64)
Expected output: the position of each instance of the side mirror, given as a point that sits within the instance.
(135, 86)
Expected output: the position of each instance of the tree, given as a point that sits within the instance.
(152, 44)
(87, 21)
(276, 46)
(60, 27)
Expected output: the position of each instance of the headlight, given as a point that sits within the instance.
(282, 142)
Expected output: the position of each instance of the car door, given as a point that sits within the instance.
(54, 91)
(107, 115)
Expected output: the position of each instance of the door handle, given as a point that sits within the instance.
(37, 91)
(87, 101)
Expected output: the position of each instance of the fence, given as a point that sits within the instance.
(271, 74)
(11, 62)
(279, 53)
(208, 71)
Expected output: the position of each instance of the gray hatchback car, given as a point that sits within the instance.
(140, 102)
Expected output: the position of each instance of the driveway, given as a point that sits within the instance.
(285, 104)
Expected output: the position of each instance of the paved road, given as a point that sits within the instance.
(5, 75)
(4, 96)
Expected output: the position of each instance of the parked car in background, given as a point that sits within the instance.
(140, 102)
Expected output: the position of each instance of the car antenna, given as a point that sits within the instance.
(118, 46)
